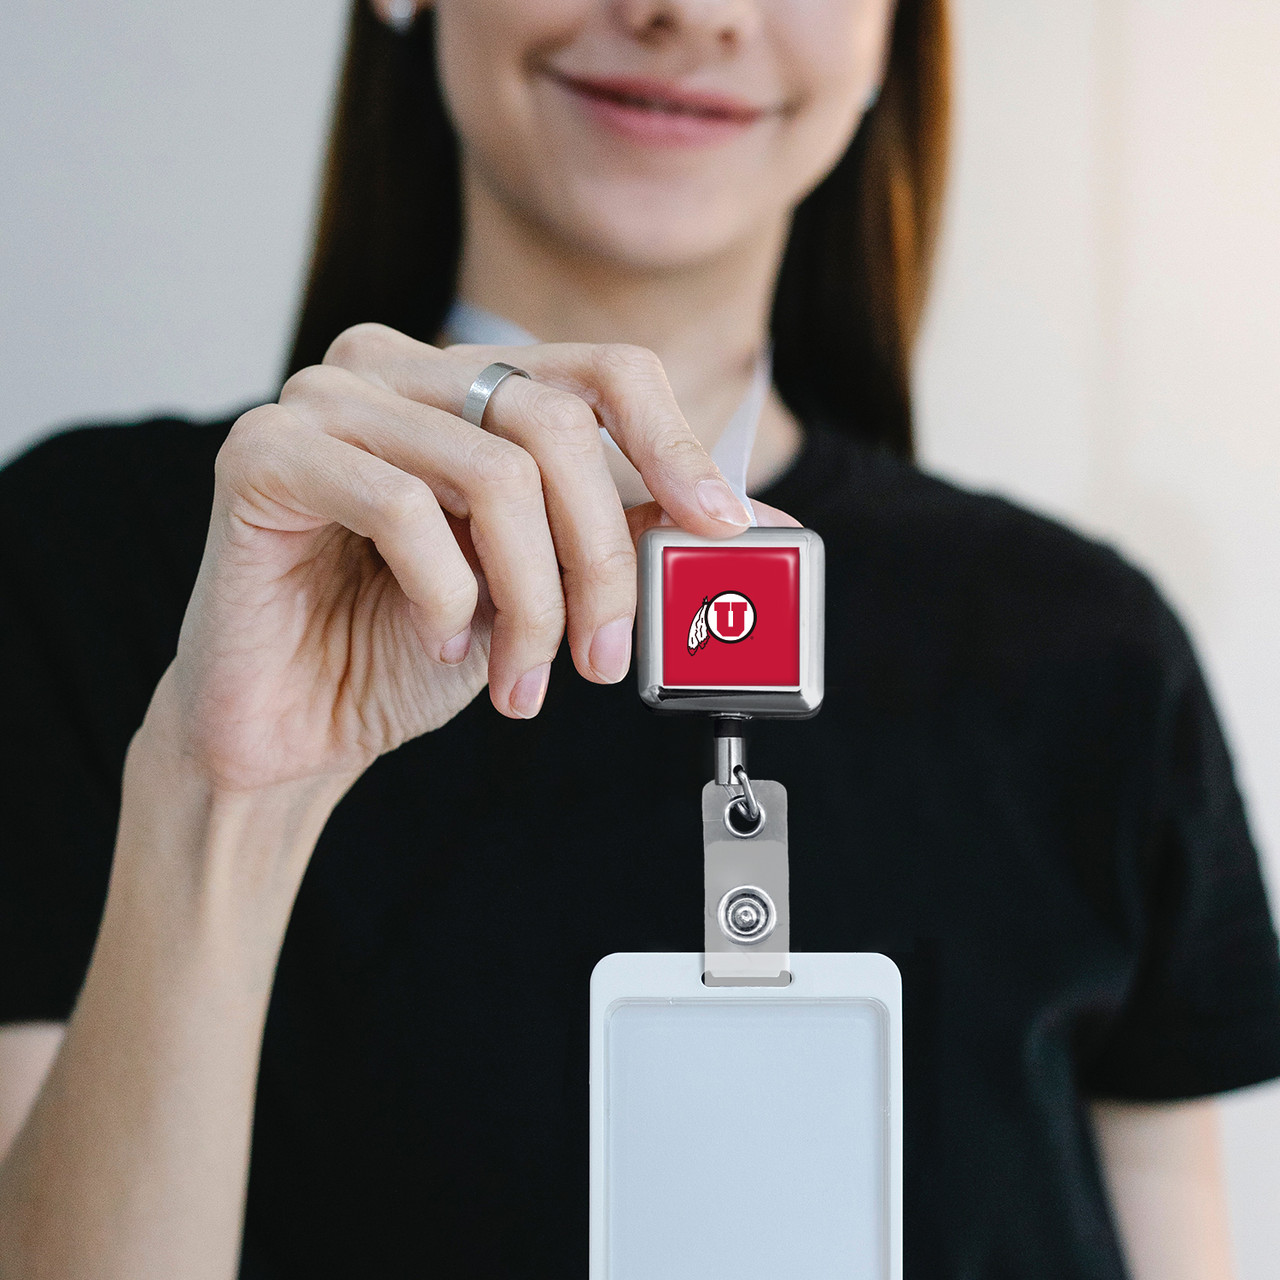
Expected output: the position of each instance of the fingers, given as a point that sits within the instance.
(588, 526)
(549, 499)
(624, 386)
(649, 514)
(475, 475)
(774, 517)
(278, 473)
(627, 389)
(560, 433)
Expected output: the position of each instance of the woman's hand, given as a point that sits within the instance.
(373, 559)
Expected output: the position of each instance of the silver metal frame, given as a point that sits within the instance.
(796, 702)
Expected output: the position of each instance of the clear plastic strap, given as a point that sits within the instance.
(746, 886)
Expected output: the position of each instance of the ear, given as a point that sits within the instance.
(399, 15)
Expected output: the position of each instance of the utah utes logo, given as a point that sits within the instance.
(730, 617)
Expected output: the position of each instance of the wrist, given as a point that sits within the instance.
(190, 844)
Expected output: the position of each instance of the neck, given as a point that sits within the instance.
(708, 323)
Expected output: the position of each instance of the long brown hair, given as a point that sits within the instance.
(854, 277)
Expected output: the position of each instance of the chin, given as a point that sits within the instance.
(649, 248)
(651, 231)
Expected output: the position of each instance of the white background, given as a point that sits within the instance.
(1104, 343)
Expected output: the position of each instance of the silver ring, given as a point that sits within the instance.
(483, 387)
(757, 823)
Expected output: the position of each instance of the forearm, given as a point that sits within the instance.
(134, 1160)
(1162, 1164)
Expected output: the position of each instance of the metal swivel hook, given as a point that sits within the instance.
(748, 796)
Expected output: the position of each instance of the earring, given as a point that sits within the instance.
(400, 15)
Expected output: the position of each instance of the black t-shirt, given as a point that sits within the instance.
(1017, 789)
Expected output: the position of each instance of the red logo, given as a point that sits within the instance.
(716, 597)
(728, 617)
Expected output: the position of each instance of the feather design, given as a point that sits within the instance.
(698, 635)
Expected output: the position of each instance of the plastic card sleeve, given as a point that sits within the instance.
(746, 1133)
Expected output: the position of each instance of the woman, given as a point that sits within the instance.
(1017, 788)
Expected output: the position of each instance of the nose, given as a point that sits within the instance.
(724, 24)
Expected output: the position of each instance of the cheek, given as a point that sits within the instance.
(834, 52)
(483, 48)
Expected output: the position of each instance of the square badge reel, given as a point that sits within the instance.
(746, 1099)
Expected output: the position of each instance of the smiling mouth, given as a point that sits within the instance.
(662, 101)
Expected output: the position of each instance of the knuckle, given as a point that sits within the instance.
(314, 384)
(543, 618)
(401, 500)
(499, 464)
(610, 566)
(357, 342)
(251, 438)
(567, 419)
(625, 361)
(679, 450)
(454, 600)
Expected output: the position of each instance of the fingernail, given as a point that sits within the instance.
(611, 650)
(531, 688)
(719, 502)
(453, 651)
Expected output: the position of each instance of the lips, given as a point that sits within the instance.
(663, 96)
(661, 112)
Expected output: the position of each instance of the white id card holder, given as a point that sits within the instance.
(746, 1133)
(746, 1101)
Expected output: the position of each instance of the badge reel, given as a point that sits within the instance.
(746, 1102)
